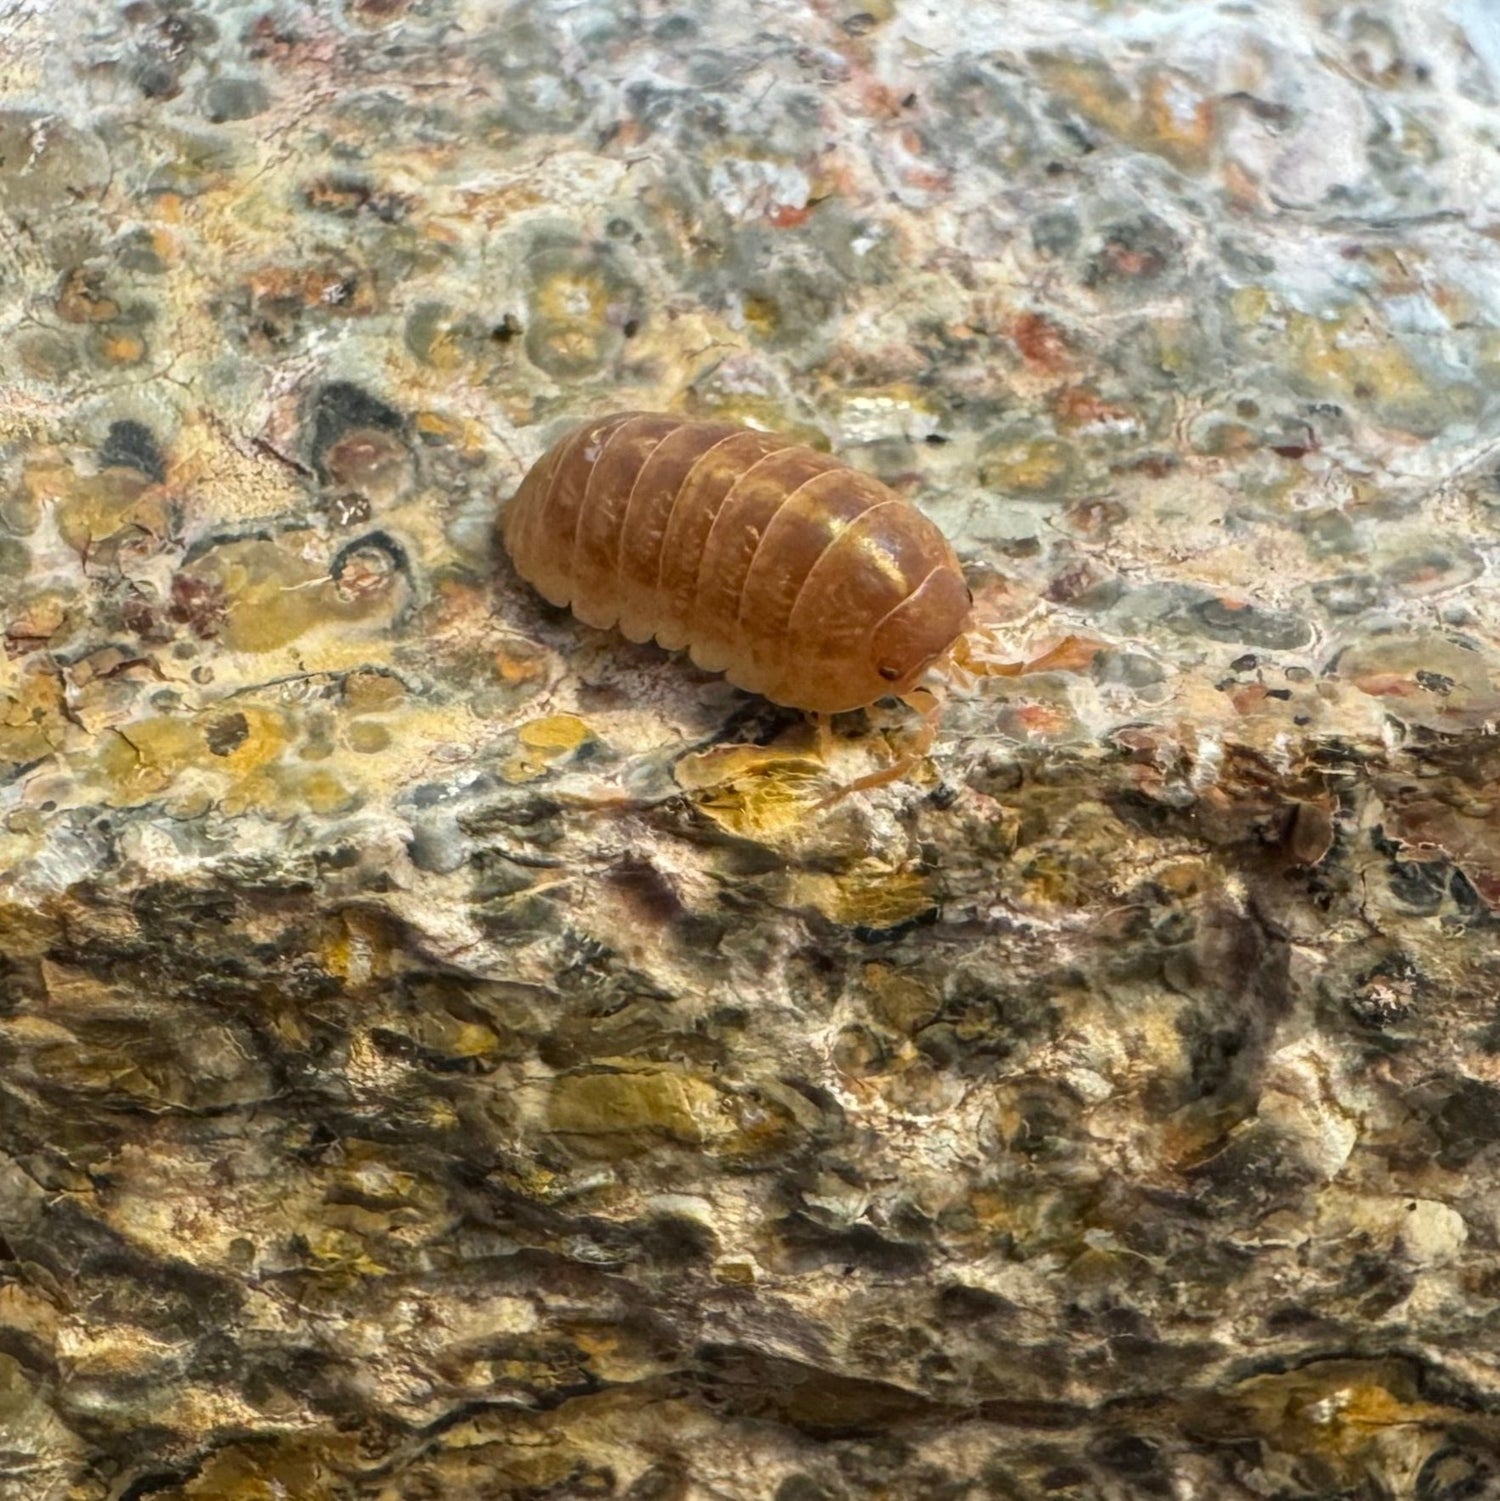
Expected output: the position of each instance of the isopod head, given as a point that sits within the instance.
(921, 630)
(884, 603)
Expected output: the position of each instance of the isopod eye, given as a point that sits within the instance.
(890, 674)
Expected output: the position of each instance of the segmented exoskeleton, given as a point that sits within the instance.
(799, 578)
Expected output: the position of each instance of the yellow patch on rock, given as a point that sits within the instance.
(757, 794)
(870, 895)
(644, 1102)
(543, 742)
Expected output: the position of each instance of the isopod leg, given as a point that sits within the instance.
(823, 728)
(977, 655)
(928, 705)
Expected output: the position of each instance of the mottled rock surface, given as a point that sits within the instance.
(445, 1053)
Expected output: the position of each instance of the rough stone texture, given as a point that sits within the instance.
(446, 1053)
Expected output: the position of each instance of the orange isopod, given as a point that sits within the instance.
(797, 577)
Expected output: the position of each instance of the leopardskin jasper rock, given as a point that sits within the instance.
(449, 1051)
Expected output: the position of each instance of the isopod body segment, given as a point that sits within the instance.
(799, 578)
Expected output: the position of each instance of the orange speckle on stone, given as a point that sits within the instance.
(1242, 186)
(1082, 406)
(1041, 719)
(1385, 685)
(340, 289)
(1040, 341)
(519, 667)
(82, 300)
(1178, 118)
(879, 100)
(435, 425)
(1071, 654)
(1127, 262)
(928, 178)
(123, 349)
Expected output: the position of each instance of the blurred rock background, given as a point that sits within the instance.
(443, 1052)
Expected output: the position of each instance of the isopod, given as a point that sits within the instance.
(797, 577)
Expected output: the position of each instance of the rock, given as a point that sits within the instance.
(446, 1050)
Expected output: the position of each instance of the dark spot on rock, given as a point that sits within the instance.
(130, 445)
(1385, 995)
(367, 565)
(346, 509)
(1127, 1454)
(1454, 1474)
(506, 329)
(198, 603)
(821, 1403)
(1056, 233)
(228, 99)
(676, 1240)
(216, 1359)
(1375, 1283)
(962, 1303)
(802, 1488)
(226, 733)
(1254, 1172)
(1467, 1122)
(647, 891)
(436, 847)
(340, 407)
(1138, 250)
(1418, 884)
(1232, 620)
(182, 30)
(1064, 1477)
(82, 299)
(378, 12)
(809, 1245)
(675, 27)
(664, 1481)
(347, 196)
(137, 252)
(1213, 1057)
(371, 462)
(155, 77)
